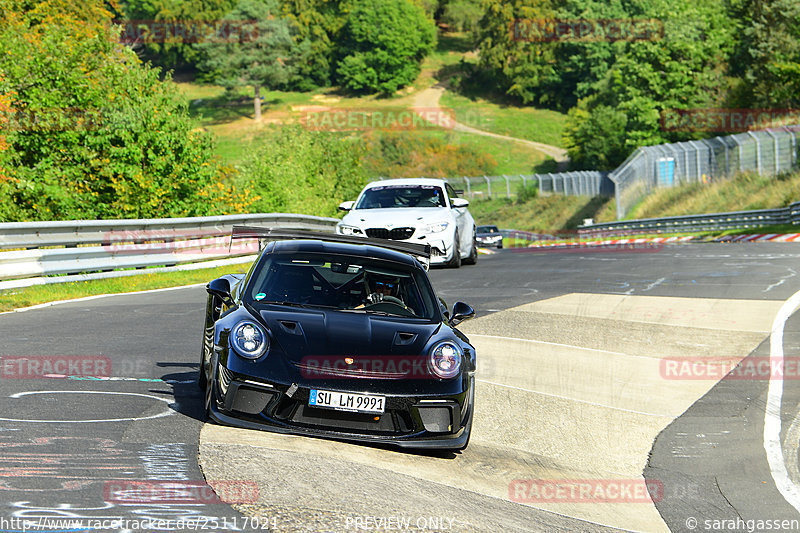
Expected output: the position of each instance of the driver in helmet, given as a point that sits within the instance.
(381, 287)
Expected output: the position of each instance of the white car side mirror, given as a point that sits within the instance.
(346, 206)
(459, 202)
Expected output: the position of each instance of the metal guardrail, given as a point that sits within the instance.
(577, 183)
(707, 222)
(37, 253)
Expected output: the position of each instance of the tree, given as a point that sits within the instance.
(462, 15)
(171, 51)
(683, 70)
(263, 54)
(770, 54)
(318, 22)
(514, 65)
(89, 132)
(382, 45)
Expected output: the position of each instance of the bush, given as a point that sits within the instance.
(300, 171)
(393, 154)
(527, 192)
(382, 45)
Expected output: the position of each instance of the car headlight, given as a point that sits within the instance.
(249, 339)
(445, 360)
(436, 228)
(348, 230)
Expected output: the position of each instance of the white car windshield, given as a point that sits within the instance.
(386, 196)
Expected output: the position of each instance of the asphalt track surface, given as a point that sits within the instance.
(572, 390)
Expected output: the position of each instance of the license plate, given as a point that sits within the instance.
(345, 401)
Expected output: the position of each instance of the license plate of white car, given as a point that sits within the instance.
(346, 401)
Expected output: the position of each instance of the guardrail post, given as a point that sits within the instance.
(469, 191)
(508, 187)
(777, 151)
(697, 160)
(758, 150)
(489, 184)
(524, 181)
(727, 156)
(793, 155)
(741, 152)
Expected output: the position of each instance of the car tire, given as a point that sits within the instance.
(211, 387)
(473, 253)
(500, 246)
(208, 341)
(455, 261)
(208, 345)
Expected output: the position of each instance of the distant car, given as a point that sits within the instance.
(338, 337)
(489, 236)
(421, 211)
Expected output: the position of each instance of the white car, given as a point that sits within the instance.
(422, 210)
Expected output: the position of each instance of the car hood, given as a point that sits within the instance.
(307, 333)
(398, 217)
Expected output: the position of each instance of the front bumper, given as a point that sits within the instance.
(420, 421)
(490, 242)
(442, 241)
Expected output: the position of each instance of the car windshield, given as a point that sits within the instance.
(385, 196)
(347, 284)
(487, 229)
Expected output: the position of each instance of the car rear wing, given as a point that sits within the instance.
(422, 252)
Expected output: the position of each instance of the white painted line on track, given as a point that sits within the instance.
(581, 348)
(551, 395)
(772, 414)
(166, 412)
(96, 296)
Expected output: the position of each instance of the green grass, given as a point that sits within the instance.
(540, 125)
(229, 115)
(744, 192)
(544, 214)
(27, 296)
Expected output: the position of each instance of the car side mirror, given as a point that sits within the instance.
(459, 202)
(346, 206)
(221, 288)
(461, 312)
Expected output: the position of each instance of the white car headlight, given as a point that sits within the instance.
(444, 360)
(348, 230)
(436, 228)
(249, 339)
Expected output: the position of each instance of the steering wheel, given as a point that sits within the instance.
(376, 298)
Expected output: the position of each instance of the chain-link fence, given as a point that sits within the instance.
(579, 183)
(768, 152)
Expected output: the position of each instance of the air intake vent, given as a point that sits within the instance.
(396, 234)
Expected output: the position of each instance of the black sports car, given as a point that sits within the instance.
(327, 335)
(489, 236)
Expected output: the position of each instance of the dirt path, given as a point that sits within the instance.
(429, 99)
